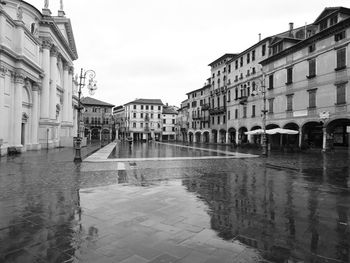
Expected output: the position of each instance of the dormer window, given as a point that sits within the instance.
(339, 36)
(323, 25)
(312, 48)
(333, 20)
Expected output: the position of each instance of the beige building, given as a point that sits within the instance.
(169, 115)
(198, 114)
(144, 119)
(307, 83)
(119, 122)
(182, 122)
(98, 119)
(36, 78)
(303, 75)
(220, 82)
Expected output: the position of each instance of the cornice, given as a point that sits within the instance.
(20, 58)
(319, 36)
(49, 21)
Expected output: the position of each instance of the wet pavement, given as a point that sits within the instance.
(284, 208)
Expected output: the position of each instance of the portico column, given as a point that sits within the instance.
(218, 137)
(237, 137)
(300, 137)
(226, 139)
(53, 82)
(3, 124)
(17, 131)
(35, 115)
(45, 92)
(70, 94)
(324, 139)
(66, 93)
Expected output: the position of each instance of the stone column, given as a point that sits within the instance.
(45, 92)
(35, 116)
(53, 82)
(226, 138)
(2, 112)
(66, 93)
(324, 139)
(300, 137)
(237, 137)
(17, 131)
(70, 94)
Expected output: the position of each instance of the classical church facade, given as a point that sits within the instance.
(37, 87)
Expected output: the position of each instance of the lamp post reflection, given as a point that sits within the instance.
(91, 87)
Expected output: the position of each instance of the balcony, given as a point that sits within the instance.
(205, 106)
(243, 100)
(196, 118)
(217, 110)
(205, 119)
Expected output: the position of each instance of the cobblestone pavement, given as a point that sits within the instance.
(284, 208)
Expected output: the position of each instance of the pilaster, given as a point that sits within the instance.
(45, 92)
(53, 82)
(17, 131)
(66, 93)
(3, 71)
(35, 116)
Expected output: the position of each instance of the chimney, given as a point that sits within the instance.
(291, 26)
(259, 37)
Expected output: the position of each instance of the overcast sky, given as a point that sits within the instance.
(160, 49)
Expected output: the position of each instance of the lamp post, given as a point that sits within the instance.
(262, 90)
(264, 111)
(92, 87)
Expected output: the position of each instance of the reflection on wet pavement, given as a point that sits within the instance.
(154, 149)
(292, 207)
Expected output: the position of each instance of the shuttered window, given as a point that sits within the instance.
(312, 68)
(341, 56)
(341, 93)
(312, 98)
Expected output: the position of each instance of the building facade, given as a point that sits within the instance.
(98, 119)
(169, 116)
(298, 79)
(144, 119)
(198, 102)
(119, 122)
(37, 102)
(182, 122)
(307, 84)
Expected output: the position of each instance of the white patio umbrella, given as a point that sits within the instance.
(281, 131)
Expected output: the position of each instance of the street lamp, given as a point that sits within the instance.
(262, 90)
(91, 87)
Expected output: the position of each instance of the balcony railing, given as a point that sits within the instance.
(217, 110)
(243, 99)
(205, 106)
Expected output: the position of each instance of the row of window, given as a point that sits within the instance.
(146, 115)
(97, 109)
(147, 107)
(96, 120)
(142, 125)
(340, 64)
(172, 121)
(340, 100)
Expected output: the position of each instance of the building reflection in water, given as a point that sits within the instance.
(285, 214)
(45, 223)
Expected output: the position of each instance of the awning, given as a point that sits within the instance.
(281, 131)
(271, 131)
